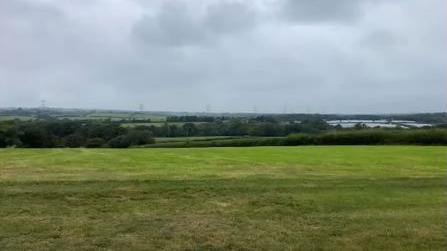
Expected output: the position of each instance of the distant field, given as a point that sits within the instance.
(126, 115)
(6, 117)
(263, 198)
(115, 116)
(97, 115)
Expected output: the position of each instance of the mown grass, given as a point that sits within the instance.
(265, 198)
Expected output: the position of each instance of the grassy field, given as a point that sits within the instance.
(264, 198)
(125, 115)
(155, 118)
(5, 117)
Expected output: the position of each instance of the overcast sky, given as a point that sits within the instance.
(327, 56)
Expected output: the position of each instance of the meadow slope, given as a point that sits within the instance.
(262, 198)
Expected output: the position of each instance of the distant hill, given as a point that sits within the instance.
(159, 116)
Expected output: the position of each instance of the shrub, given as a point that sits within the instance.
(140, 137)
(35, 136)
(353, 138)
(119, 142)
(426, 137)
(372, 137)
(2, 140)
(95, 143)
(300, 139)
(74, 140)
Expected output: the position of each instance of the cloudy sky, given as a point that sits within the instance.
(328, 56)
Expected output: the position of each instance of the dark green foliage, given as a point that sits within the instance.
(35, 136)
(229, 142)
(266, 129)
(423, 137)
(189, 129)
(259, 126)
(104, 130)
(2, 140)
(66, 133)
(120, 142)
(192, 119)
(351, 137)
(95, 143)
(300, 139)
(139, 137)
(373, 137)
(354, 138)
(74, 140)
(258, 131)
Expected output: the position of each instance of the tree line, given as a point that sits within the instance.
(345, 137)
(92, 133)
(106, 133)
(47, 134)
(237, 127)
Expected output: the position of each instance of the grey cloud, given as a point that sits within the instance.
(233, 55)
(382, 40)
(173, 26)
(317, 11)
(178, 25)
(230, 17)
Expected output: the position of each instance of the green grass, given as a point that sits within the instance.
(264, 198)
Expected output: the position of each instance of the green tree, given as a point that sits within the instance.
(119, 142)
(2, 139)
(189, 129)
(74, 140)
(140, 137)
(34, 135)
(95, 143)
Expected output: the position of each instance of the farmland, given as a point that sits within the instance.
(263, 198)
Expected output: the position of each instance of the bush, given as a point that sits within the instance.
(354, 138)
(3, 142)
(95, 143)
(238, 142)
(300, 139)
(74, 140)
(35, 136)
(119, 142)
(425, 137)
(140, 137)
(373, 137)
